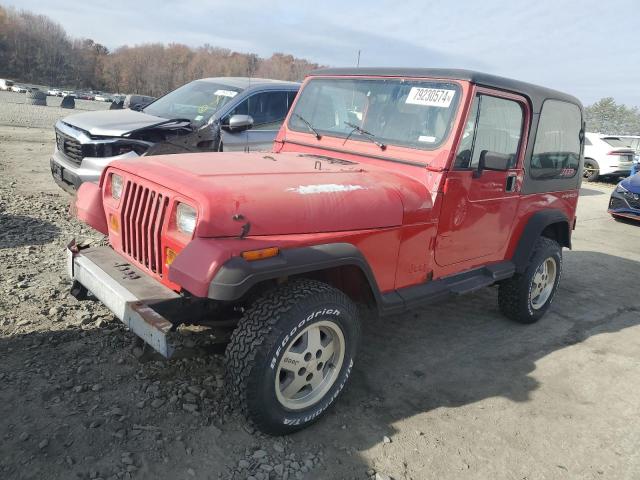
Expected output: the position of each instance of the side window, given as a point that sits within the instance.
(556, 151)
(268, 110)
(463, 157)
(494, 125)
(241, 109)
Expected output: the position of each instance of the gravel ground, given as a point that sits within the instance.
(14, 112)
(448, 391)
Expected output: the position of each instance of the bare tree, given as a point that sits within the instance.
(35, 49)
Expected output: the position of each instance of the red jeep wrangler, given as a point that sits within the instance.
(387, 187)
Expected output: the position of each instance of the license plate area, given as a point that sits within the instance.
(57, 171)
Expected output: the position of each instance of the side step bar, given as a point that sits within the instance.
(458, 284)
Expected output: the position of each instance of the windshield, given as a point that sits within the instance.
(197, 101)
(409, 113)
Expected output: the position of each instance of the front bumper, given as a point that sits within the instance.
(65, 177)
(69, 175)
(132, 296)
(624, 205)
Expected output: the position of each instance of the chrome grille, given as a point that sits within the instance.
(142, 216)
(69, 146)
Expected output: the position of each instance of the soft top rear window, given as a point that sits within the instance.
(556, 151)
(390, 111)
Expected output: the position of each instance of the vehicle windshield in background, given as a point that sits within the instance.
(197, 101)
(617, 142)
(408, 113)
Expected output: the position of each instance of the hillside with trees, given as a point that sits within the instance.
(35, 49)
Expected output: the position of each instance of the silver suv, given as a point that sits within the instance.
(212, 114)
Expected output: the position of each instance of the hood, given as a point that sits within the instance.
(287, 193)
(632, 183)
(112, 123)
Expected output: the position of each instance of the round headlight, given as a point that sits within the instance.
(185, 218)
(116, 186)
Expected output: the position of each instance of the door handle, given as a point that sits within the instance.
(512, 183)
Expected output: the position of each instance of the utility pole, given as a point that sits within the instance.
(358, 62)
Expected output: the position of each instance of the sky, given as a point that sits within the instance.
(588, 48)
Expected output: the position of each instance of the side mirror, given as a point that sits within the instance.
(238, 123)
(493, 161)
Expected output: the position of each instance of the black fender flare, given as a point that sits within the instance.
(532, 231)
(236, 277)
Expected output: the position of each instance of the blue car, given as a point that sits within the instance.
(625, 199)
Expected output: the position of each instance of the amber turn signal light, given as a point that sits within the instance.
(170, 256)
(260, 254)
(114, 224)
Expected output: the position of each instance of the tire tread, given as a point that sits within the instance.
(513, 294)
(256, 326)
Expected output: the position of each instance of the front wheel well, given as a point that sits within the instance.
(350, 279)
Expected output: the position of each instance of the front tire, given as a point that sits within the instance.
(292, 354)
(526, 297)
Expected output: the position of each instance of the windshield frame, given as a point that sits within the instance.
(203, 121)
(395, 146)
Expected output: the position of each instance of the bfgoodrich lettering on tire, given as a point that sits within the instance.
(292, 354)
(526, 297)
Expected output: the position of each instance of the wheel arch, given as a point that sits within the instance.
(552, 224)
(341, 265)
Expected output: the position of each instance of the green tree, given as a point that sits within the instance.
(606, 116)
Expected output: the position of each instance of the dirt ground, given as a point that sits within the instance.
(450, 391)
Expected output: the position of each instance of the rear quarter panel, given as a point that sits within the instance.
(564, 201)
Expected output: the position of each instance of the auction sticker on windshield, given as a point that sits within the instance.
(226, 93)
(430, 97)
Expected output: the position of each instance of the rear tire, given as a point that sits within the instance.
(526, 297)
(292, 354)
(591, 171)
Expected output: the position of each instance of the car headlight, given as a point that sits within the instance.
(185, 218)
(620, 188)
(116, 186)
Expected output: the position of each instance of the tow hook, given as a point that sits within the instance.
(78, 290)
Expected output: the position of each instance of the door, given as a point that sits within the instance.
(268, 110)
(480, 204)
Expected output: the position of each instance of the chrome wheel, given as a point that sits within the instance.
(310, 365)
(544, 280)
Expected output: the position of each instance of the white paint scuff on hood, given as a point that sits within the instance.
(324, 188)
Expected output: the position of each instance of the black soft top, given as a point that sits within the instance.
(536, 94)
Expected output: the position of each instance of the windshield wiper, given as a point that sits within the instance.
(368, 135)
(308, 124)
